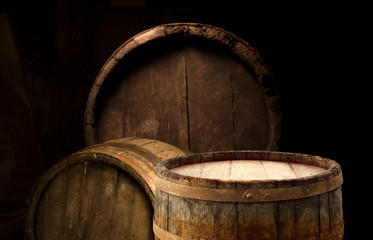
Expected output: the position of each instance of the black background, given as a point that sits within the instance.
(315, 50)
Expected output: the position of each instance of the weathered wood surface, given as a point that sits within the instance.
(241, 170)
(192, 85)
(105, 191)
(309, 213)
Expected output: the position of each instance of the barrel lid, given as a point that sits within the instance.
(308, 176)
(189, 84)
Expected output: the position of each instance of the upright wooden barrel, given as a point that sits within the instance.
(248, 195)
(192, 85)
(105, 191)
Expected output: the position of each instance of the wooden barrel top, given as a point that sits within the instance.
(243, 170)
(248, 176)
(192, 85)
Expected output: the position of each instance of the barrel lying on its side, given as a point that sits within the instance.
(194, 85)
(248, 195)
(105, 191)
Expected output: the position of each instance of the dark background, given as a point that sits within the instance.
(314, 51)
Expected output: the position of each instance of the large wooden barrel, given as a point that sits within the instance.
(248, 195)
(105, 191)
(192, 85)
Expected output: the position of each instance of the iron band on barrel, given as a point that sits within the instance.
(164, 235)
(249, 195)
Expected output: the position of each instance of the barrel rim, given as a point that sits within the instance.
(163, 169)
(75, 158)
(248, 54)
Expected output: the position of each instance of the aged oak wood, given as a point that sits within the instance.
(242, 170)
(192, 85)
(104, 191)
(248, 195)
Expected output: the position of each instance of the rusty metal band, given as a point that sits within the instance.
(165, 235)
(249, 195)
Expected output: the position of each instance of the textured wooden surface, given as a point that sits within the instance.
(105, 191)
(191, 85)
(241, 170)
(308, 216)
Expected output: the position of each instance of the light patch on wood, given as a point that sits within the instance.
(303, 170)
(243, 170)
(278, 170)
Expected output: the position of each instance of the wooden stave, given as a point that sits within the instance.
(328, 208)
(249, 55)
(101, 154)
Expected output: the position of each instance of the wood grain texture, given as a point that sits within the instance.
(101, 192)
(192, 85)
(210, 104)
(241, 170)
(315, 216)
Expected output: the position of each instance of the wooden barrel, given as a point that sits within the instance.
(105, 191)
(192, 85)
(248, 195)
